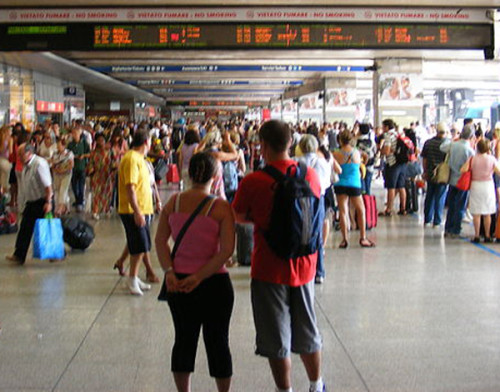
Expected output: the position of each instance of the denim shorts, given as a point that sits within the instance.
(395, 176)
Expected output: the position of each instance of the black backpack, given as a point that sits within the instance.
(297, 214)
(405, 150)
(177, 136)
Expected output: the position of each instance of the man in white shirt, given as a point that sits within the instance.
(37, 185)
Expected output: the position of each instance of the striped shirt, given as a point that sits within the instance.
(391, 139)
(432, 153)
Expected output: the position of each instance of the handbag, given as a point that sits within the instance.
(48, 240)
(163, 296)
(465, 179)
(441, 173)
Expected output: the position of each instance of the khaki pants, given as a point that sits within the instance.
(5, 167)
(61, 188)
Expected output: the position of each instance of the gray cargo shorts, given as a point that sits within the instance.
(284, 319)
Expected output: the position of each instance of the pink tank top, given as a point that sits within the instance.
(483, 166)
(200, 242)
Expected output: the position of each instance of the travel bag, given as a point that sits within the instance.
(78, 234)
(371, 211)
(244, 243)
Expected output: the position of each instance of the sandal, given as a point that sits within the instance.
(344, 244)
(385, 213)
(403, 212)
(120, 268)
(152, 278)
(366, 243)
(476, 240)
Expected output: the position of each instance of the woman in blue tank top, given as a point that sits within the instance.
(348, 188)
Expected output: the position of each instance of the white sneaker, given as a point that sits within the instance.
(143, 286)
(134, 286)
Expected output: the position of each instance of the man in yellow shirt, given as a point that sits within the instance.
(136, 205)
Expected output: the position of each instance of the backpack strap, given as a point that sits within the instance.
(273, 172)
(278, 175)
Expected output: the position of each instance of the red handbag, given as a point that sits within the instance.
(465, 179)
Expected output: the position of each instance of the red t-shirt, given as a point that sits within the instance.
(254, 198)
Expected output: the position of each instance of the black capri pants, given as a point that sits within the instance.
(210, 306)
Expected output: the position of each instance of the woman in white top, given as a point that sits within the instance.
(47, 147)
(186, 151)
(309, 148)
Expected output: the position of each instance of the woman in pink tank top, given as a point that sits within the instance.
(482, 197)
(200, 293)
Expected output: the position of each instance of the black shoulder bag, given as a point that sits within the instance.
(163, 292)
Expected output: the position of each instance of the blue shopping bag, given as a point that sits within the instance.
(48, 240)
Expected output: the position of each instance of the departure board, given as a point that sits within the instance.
(76, 36)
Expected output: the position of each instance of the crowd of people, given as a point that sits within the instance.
(118, 165)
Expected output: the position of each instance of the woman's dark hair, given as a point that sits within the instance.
(483, 146)
(61, 140)
(364, 129)
(202, 167)
(191, 137)
(98, 135)
(325, 152)
(117, 132)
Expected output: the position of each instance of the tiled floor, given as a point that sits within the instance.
(415, 314)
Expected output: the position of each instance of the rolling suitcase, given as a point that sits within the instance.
(371, 211)
(77, 233)
(173, 173)
(244, 243)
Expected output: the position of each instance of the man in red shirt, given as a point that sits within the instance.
(280, 288)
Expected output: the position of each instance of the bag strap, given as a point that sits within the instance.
(278, 175)
(187, 224)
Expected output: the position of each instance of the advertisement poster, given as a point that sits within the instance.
(290, 111)
(276, 110)
(400, 87)
(340, 97)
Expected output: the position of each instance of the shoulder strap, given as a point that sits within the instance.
(177, 202)
(273, 172)
(303, 170)
(210, 206)
(187, 224)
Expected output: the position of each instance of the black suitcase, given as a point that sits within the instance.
(411, 196)
(244, 243)
(77, 233)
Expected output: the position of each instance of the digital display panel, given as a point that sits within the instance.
(246, 36)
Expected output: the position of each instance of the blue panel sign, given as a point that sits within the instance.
(227, 68)
(255, 82)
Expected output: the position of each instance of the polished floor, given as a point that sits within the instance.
(415, 314)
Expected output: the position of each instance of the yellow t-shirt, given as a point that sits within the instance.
(134, 170)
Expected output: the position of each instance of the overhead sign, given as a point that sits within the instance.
(227, 68)
(216, 90)
(170, 82)
(253, 14)
(49, 107)
(311, 35)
